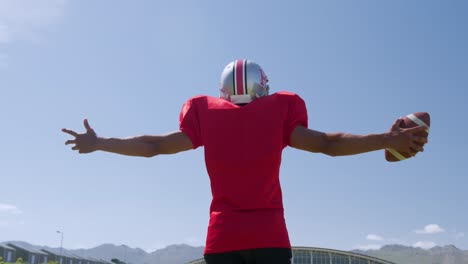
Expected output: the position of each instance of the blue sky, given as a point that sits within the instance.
(128, 66)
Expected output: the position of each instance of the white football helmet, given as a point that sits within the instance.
(242, 81)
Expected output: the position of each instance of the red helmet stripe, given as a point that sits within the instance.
(239, 71)
(245, 77)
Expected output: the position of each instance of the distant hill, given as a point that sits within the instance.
(173, 254)
(110, 251)
(182, 253)
(410, 255)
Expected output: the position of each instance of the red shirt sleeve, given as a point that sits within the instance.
(297, 115)
(189, 123)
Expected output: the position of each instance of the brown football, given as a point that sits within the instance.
(411, 120)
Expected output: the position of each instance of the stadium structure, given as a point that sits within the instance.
(313, 255)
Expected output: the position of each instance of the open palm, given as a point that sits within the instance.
(84, 143)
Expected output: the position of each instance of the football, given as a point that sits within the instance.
(411, 120)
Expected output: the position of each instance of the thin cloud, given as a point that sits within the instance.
(27, 16)
(26, 20)
(374, 237)
(9, 208)
(3, 223)
(459, 235)
(368, 247)
(430, 229)
(424, 244)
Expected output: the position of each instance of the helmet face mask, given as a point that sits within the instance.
(242, 81)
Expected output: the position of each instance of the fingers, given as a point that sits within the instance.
(417, 138)
(87, 126)
(80, 138)
(396, 125)
(79, 150)
(416, 147)
(417, 129)
(68, 142)
(421, 140)
(71, 132)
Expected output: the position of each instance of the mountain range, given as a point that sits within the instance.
(410, 255)
(182, 253)
(173, 254)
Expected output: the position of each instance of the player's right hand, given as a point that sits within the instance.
(83, 143)
(407, 139)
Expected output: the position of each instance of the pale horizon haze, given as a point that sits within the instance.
(128, 66)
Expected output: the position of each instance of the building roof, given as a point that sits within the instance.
(3, 245)
(95, 260)
(27, 248)
(81, 257)
(313, 250)
(347, 253)
(58, 253)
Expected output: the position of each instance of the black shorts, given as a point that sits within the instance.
(257, 256)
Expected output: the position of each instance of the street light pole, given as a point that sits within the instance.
(61, 246)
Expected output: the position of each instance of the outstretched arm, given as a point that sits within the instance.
(143, 146)
(341, 144)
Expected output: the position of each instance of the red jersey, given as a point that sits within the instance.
(243, 147)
